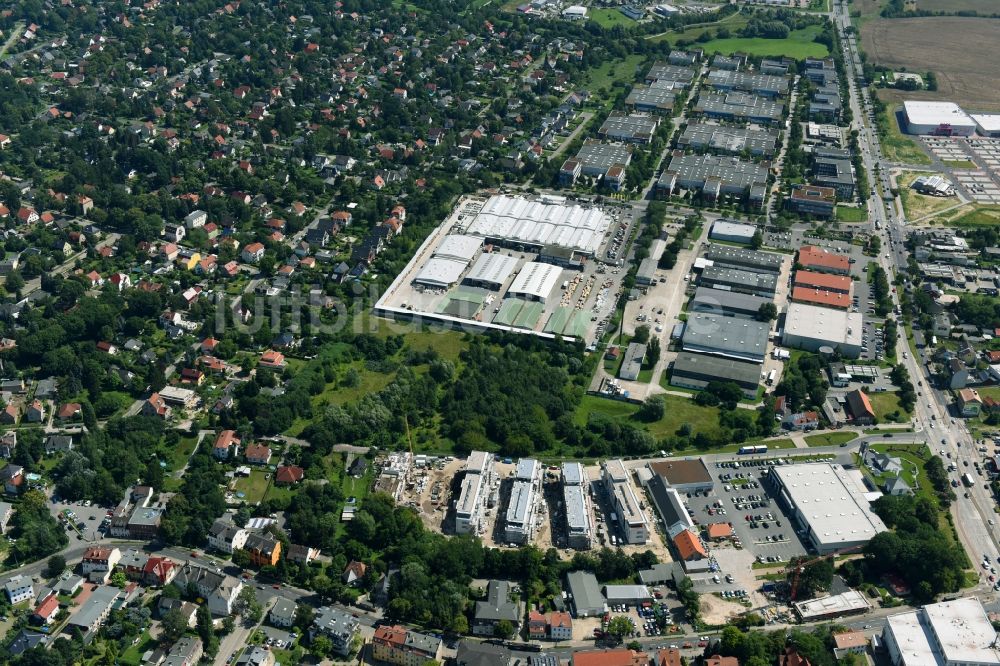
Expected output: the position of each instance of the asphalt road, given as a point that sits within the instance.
(973, 514)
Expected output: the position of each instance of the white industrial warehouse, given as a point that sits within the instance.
(951, 632)
(810, 327)
(547, 221)
(937, 118)
(535, 281)
(449, 261)
(440, 273)
(830, 503)
(491, 270)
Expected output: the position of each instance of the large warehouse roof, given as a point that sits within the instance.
(754, 260)
(759, 282)
(950, 632)
(987, 123)
(441, 272)
(722, 369)
(536, 280)
(726, 336)
(726, 229)
(722, 301)
(459, 246)
(936, 113)
(538, 223)
(826, 324)
(492, 269)
(830, 501)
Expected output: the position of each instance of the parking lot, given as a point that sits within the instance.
(90, 517)
(761, 531)
(278, 638)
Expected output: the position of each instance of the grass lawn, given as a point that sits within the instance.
(612, 71)
(829, 438)
(253, 486)
(449, 344)
(733, 22)
(885, 404)
(178, 456)
(851, 214)
(609, 18)
(678, 412)
(978, 216)
(133, 655)
(916, 205)
(798, 45)
(369, 382)
(897, 146)
(959, 164)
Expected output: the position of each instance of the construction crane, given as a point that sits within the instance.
(797, 568)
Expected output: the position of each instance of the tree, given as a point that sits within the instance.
(757, 241)
(503, 629)
(14, 283)
(173, 625)
(55, 566)
(767, 311)
(652, 352)
(118, 579)
(653, 409)
(620, 626)
(641, 334)
(206, 630)
(247, 605)
(321, 646)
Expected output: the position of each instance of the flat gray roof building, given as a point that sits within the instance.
(714, 175)
(733, 140)
(679, 76)
(587, 598)
(739, 280)
(735, 105)
(760, 84)
(632, 363)
(599, 157)
(741, 339)
(696, 371)
(577, 517)
(726, 303)
(573, 474)
(632, 128)
(751, 260)
(651, 99)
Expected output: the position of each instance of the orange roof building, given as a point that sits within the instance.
(689, 546)
(722, 661)
(668, 657)
(860, 407)
(823, 261)
(826, 299)
(825, 281)
(718, 531)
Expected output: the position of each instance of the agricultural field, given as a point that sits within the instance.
(984, 7)
(941, 45)
(916, 205)
(798, 45)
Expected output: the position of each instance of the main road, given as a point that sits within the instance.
(947, 435)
